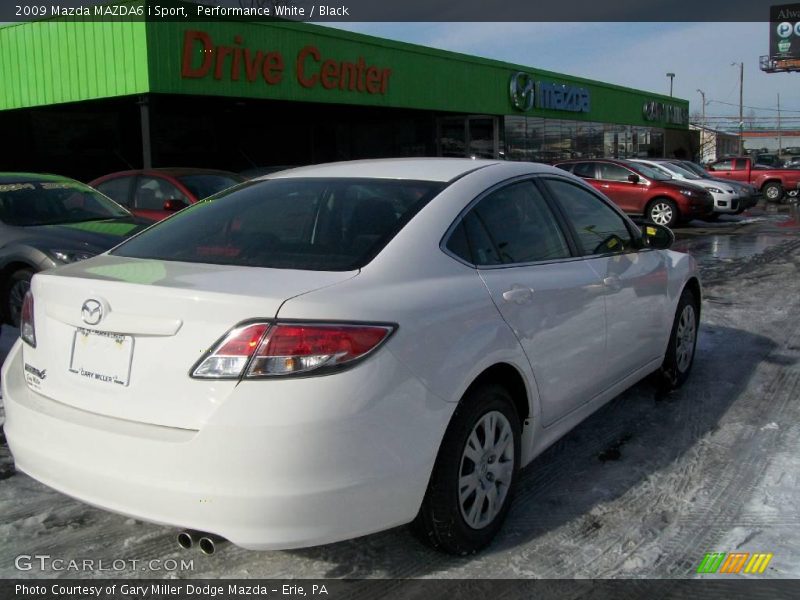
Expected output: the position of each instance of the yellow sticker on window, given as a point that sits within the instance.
(612, 242)
(651, 231)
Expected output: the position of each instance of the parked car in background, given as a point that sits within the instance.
(640, 190)
(748, 193)
(773, 183)
(769, 160)
(726, 198)
(792, 164)
(47, 221)
(158, 193)
(341, 349)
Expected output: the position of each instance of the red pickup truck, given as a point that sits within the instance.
(773, 183)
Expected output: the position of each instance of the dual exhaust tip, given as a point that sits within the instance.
(207, 542)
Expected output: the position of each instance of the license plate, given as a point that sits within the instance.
(102, 356)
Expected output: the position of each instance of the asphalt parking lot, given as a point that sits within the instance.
(643, 488)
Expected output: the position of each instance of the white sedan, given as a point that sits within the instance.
(335, 350)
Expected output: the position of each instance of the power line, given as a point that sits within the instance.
(783, 110)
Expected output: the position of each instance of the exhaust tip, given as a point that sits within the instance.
(207, 545)
(186, 540)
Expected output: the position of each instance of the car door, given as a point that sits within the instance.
(552, 300)
(615, 182)
(634, 280)
(151, 193)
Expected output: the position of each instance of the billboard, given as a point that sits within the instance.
(784, 35)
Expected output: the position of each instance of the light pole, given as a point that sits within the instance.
(741, 106)
(703, 128)
(671, 77)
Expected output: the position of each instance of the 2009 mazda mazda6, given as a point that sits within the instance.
(339, 349)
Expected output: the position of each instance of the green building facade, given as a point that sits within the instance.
(85, 98)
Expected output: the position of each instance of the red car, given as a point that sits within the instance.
(639, 190)
(157, 193)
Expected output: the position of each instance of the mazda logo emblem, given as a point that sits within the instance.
(91, 312)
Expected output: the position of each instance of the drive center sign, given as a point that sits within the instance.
(203, 58)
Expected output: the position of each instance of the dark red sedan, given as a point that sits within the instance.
(157, 193)
(639, 190)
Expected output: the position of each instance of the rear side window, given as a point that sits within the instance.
(307, 224)
(612, 172)
(512, 225)
(599, 228)
(585, 169)
(118, 189)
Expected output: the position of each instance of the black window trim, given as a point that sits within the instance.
(633, 230)
(571, 245)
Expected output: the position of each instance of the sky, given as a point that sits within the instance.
(630, 54)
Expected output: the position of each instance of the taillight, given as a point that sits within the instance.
(269, 350)
(27, 327)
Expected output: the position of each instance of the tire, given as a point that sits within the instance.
(663, 211)
(18, 284)
(679, 358)
(773, 192)
(462, 523)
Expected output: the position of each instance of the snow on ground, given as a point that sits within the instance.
(643, 488)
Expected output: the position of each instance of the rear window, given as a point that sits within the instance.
(307, 224)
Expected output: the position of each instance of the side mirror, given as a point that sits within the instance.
(633, 178)
(657, 236)
(175, 204)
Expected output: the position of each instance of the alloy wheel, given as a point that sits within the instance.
(661, 213)
(486, 471)
(685, 337)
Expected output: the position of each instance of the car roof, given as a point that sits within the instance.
(31, 177)
(173, 171)
(420, 169)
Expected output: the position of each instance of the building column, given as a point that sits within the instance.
(144, 114)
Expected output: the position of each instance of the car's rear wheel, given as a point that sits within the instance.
(663, 211)
(475, 473)
(18, 285)
(773, 192)
(679, 358)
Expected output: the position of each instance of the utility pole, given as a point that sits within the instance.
(703, 128)
(741, 107)
(780, 140)
(671, 77)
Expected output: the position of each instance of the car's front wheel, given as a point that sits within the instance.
(18, 285)
(475, 473)
(663, 211)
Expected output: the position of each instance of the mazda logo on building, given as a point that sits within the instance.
(91, 312)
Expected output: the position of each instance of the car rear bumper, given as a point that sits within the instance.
(339, 466)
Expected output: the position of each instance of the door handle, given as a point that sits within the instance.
(613, 282)
(518, 295)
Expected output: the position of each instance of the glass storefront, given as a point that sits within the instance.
(547, 140)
